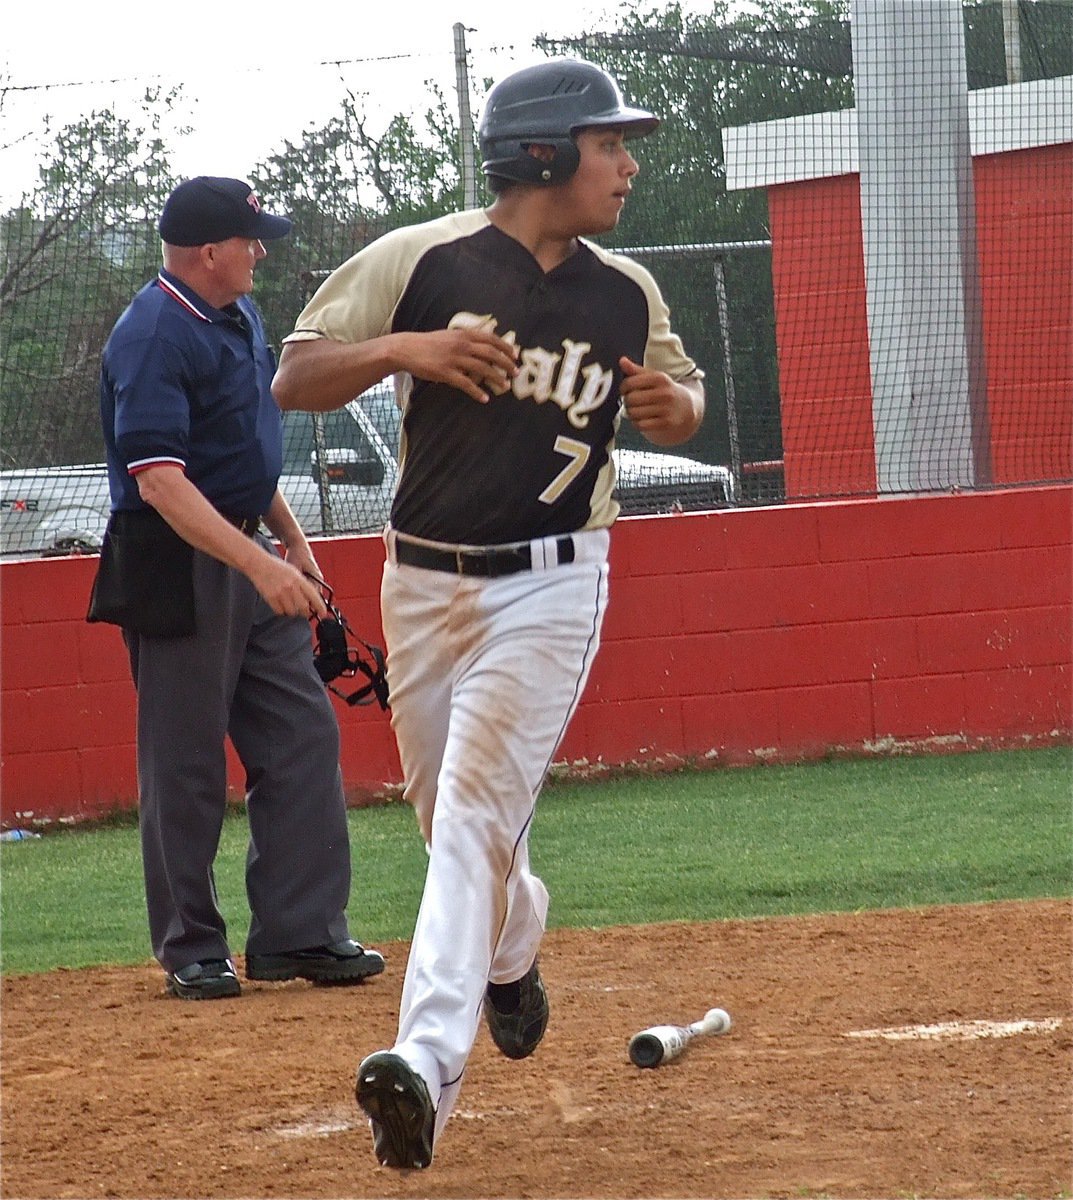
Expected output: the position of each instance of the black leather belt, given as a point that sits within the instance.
(247, 525)
(489, 561)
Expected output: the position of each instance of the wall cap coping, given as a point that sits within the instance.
(794, 149)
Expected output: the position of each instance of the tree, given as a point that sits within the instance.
(343, 186)
(73, 251)
(702, 74)
(79, 245)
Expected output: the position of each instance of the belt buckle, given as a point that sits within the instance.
(478, 562)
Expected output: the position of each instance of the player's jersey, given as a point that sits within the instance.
(536, 460)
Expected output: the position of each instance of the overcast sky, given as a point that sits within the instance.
(252, 75)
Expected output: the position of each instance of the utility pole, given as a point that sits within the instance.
(1011, 37)
(465, 119)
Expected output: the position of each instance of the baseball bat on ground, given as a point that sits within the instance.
(661, 1043)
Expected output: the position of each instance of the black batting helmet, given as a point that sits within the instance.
(547, 104)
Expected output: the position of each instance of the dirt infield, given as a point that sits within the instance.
(897, 1054)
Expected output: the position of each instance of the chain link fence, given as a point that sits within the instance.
(79, 240)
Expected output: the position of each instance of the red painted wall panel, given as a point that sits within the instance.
(46, 784)
(738, 728)
(651, 602)
(1024, 234)
(754, 635)
(918, 708)
(1024, 210)
(1005, 703)
(821, 719)
(825, 386)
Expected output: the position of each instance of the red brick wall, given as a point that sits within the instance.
(738, 636)
(821, 321)
(1024, 207)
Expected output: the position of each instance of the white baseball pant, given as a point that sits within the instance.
(484, 675)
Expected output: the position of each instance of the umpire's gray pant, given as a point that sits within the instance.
(248, 674)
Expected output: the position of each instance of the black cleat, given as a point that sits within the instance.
(213, 979)
(517, 1032)
(400, 1111)
(341, 962)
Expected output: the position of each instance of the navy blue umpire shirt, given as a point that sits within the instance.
(185, 383)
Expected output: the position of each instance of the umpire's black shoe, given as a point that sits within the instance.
(341, 962)
(517, 1013)
(213, 979)
(399, 1108)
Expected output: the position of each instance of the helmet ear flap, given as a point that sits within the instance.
(564, 164)
(511, 159)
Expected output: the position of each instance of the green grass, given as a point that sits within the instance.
(693, 845)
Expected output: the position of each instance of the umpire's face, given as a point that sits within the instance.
(596, 192)
(233, 263)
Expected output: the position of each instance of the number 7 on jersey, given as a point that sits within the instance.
(578, 454)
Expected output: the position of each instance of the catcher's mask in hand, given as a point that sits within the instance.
(333, 656)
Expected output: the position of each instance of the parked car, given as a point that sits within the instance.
(64, 510)
(53, 510)
(340, 468)
(649, 481)
(339, 474)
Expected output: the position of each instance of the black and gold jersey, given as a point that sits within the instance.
(536, 460)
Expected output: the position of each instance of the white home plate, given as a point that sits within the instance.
(959, 1030)
(314, 1127)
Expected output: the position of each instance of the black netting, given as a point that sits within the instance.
(850, 346)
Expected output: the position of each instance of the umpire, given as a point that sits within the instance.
(215, 618)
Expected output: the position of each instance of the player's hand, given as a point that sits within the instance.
(286, 590)
(474, 361)
(666, 412)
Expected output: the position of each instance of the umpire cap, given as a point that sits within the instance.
(548, 104)
(210, 208)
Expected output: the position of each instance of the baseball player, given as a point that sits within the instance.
(516, 345)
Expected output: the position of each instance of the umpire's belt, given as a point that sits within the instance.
(488, 561)
(247, 525)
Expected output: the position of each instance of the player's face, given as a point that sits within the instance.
(598, 189)
(233, 265)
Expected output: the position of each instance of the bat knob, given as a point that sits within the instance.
(717, 1020)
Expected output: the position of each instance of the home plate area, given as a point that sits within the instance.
(959, 1030)
(922, 1052)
